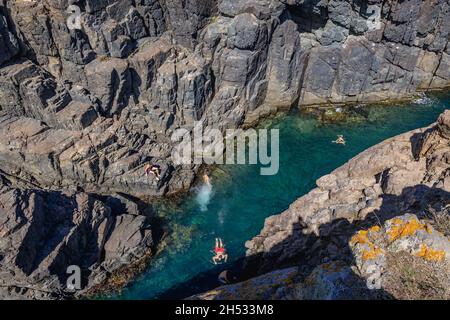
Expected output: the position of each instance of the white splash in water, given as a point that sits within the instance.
(423, 99)
(204, 194)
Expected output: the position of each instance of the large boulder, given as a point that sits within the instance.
(110, 80)
(44, 234)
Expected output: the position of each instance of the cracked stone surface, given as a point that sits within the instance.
(84, 110)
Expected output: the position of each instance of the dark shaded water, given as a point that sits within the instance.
(241, 198)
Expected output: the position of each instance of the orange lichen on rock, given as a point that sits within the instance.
(360, 237)
(372, 253)
(400, 228)
(430, 254)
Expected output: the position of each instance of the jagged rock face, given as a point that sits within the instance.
(329, 281)
(90, 92)
(8, 41)
(407, 173)
(43, 233)
(140, 69)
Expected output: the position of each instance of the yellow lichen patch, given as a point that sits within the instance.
(400, 228)
(371, 253)
(430, 254)
(360, 237)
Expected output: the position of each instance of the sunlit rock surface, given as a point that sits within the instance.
(137, 70)
(91, 91)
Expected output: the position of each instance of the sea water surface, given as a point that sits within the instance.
(240, 199)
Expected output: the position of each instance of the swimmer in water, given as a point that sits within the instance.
(220, 254)
(206, 179)
(340, 140)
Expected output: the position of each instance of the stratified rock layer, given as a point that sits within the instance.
(43, 233)
(344, 239)
(110, 80)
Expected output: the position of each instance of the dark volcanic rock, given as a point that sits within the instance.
(8, 42)
(135, 71)
(44, 232)
(87, 105)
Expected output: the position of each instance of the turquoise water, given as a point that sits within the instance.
(241, 198)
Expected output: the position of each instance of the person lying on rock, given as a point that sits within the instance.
(220, 253)
(154, 170)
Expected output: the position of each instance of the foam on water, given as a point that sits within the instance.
(424, 99)
(204, 195)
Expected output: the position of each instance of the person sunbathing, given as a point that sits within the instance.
(153, 170)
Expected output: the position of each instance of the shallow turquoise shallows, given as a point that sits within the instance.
(241, 198)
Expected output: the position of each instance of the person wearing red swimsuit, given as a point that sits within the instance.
(220, 252)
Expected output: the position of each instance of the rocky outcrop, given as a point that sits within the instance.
(44, 234)
(377, 249)
(138, 70)
(330, 281)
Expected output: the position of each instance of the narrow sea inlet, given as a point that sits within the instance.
(240, 199)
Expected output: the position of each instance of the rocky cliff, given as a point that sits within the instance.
(91, 91)
(43, 233)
